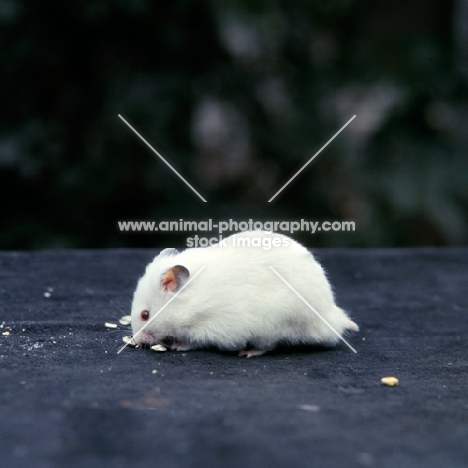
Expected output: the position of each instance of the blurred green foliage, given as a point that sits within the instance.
(237, 96)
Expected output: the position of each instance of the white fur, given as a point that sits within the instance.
(237, 302)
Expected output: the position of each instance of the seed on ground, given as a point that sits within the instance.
(159, 348)
(125, 320)
(128, 340)
(389, 381)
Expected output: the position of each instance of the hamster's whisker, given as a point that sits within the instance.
(115, 305)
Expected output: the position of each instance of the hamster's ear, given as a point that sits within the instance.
(167, 252)
(174, 278)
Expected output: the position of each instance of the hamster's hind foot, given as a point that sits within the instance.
(181, 346)
(252, 352)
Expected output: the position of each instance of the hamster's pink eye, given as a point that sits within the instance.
(145, 315)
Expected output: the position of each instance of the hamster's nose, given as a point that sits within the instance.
(144, 338)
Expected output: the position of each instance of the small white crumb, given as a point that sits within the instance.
(49, 289)
(125, 320)
(159, 348)
(128, 340)
(313, 408)
(6, 333)
(389, 381)
(110, 325)
(47, 294)
(211, 373)
(154, 371)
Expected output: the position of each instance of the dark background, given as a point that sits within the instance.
(237, 96)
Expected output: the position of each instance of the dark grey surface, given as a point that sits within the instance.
(68, 399)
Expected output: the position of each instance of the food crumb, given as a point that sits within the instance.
(313, 408)
(128, 340)
(158, 348)
(389, 381)
(110, 325)
(125, 320)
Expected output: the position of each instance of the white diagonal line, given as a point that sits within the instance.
(162, 159)
(311, 159)
(164, 306)
(312, 309)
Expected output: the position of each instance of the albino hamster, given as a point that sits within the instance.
(237, 302)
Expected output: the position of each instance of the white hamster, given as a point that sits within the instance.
(237, 302)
